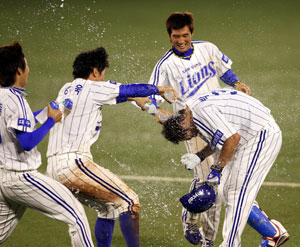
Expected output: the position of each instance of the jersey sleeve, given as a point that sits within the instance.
(213, 125)
(223, 63)
(19, 115)
(105, 93)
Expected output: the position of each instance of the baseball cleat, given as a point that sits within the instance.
(277, 240)
(192, 233)
(207, 243)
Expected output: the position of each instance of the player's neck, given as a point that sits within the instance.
(186, 55)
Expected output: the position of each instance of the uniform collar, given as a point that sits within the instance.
(185, 55)
(19, 90)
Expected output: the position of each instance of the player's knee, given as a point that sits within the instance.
(132, 203)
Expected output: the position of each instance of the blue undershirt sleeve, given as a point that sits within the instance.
(229, 78)
(28, 140)
(136, 90)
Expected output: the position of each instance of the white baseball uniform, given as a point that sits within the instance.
(69, 158)
(191, 76)
(22, 185)
(220, 114)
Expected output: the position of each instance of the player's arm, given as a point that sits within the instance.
(226, 155)
(146, 104)
(205, 152)
(143, 90)
(228, 150)
(28, 140)
(232, 80)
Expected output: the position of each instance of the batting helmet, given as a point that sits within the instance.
(200, 199)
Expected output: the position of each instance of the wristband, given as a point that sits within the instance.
(216, 168)
(201, 156)
(237, 83)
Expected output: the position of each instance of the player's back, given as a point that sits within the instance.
(81, 127)
(246, 114)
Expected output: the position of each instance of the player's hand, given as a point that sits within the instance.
(162, 115)
(242, 87)
(168, 93)
(56, 114)
(141, 101)
(190, 161)
(214, 176)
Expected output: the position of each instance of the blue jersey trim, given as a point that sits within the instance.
(229, 78)
(184, 55)
(199, 41)
(18, 94)
(157, 68)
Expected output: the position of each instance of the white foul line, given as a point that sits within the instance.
(178, 179)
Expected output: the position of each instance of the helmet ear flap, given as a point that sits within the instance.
(200, 199)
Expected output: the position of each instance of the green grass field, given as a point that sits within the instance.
(261, 37)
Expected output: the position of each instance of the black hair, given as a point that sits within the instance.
(178, 20)
(11, 58)
(172, 129)
(86, 61)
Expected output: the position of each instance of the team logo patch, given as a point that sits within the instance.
(24, 122)
(216, 138)
(225, 58)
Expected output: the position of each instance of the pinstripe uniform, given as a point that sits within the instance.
(192, 76)
(219, 115)
(22, 185)
(69, 158)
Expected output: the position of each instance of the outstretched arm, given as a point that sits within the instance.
(143, 90)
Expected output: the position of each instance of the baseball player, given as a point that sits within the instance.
(194, 67)
(69, 157)
(246, 139)
(21, 184)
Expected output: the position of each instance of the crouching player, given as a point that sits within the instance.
(241, 131)
(69, 157)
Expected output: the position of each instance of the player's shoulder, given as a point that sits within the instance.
(12, 100)
(207, 44)
(10, 94)
(166, 57)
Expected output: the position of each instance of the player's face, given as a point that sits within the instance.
(188, 125)
(22, 76)
(181, 39)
